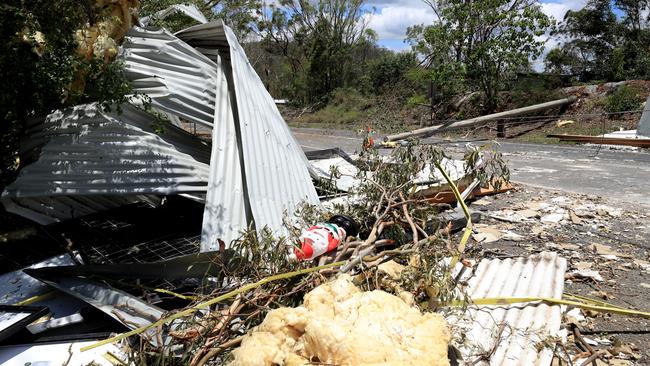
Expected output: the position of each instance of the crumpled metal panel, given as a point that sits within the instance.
(182, 81)
(517, 330)
(224, 215)
(188, 9)
(178, 79)
(129, 310)
(276, 174)
(90, 160)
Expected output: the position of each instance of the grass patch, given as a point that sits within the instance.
(347, 108)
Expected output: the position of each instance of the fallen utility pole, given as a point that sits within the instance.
(636, 142)
(427, 131)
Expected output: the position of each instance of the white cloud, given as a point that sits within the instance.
(555, 10)
(550, 43)
(390, 22)
(558, 9)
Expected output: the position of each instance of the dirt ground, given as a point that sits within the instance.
(606, 245)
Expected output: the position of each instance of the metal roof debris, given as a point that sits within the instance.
(123, 158)
(88, 156)
(226, 213)
(58, 353)
(186, 266)
(123, 307)
(176, 77)
(88, 162)
(188, 9)
(275, 169)
(13, 318)
(516, 333)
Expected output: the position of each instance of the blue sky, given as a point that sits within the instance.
(392, 17)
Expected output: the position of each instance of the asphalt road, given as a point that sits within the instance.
(618, 175)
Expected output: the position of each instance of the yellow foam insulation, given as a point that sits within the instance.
(341, 325)
(101, 39)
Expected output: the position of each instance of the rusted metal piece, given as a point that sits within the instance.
(638, 142)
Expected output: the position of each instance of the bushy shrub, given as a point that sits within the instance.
(417, 99)
(391, 69)
(624, 99)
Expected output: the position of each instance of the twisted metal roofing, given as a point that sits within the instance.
(88, 160)
(225, 214)
(276, 175)
(254, 173)
(178, 79)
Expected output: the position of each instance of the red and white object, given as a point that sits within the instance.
(318, 240)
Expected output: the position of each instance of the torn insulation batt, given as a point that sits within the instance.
(341, 325)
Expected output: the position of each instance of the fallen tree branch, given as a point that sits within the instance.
(205, 304)
(216, 350)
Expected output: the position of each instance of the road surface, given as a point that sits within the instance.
(618, 175)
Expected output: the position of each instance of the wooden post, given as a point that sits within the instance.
(501, 128)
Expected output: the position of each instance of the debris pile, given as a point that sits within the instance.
(163, 244)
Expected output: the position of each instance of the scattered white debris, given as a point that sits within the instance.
(486, 234)
(586, 273)
(512, 236)
(553, 218)
(575, 316)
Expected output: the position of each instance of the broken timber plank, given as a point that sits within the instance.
(448, 196)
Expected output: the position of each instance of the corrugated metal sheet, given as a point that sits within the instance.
(61, 353)
(178, 79)
(89, 160)
(276, 171)
(182, 81)
(257, 171)
(525, 326)
(224, 216)
(129, 310)
(188, 9)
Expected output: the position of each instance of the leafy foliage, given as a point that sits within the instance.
(481, 43)
(321, 42)
(240, 15)
(601, 46)
(390, 69)
(624, 99)
(42, 69)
